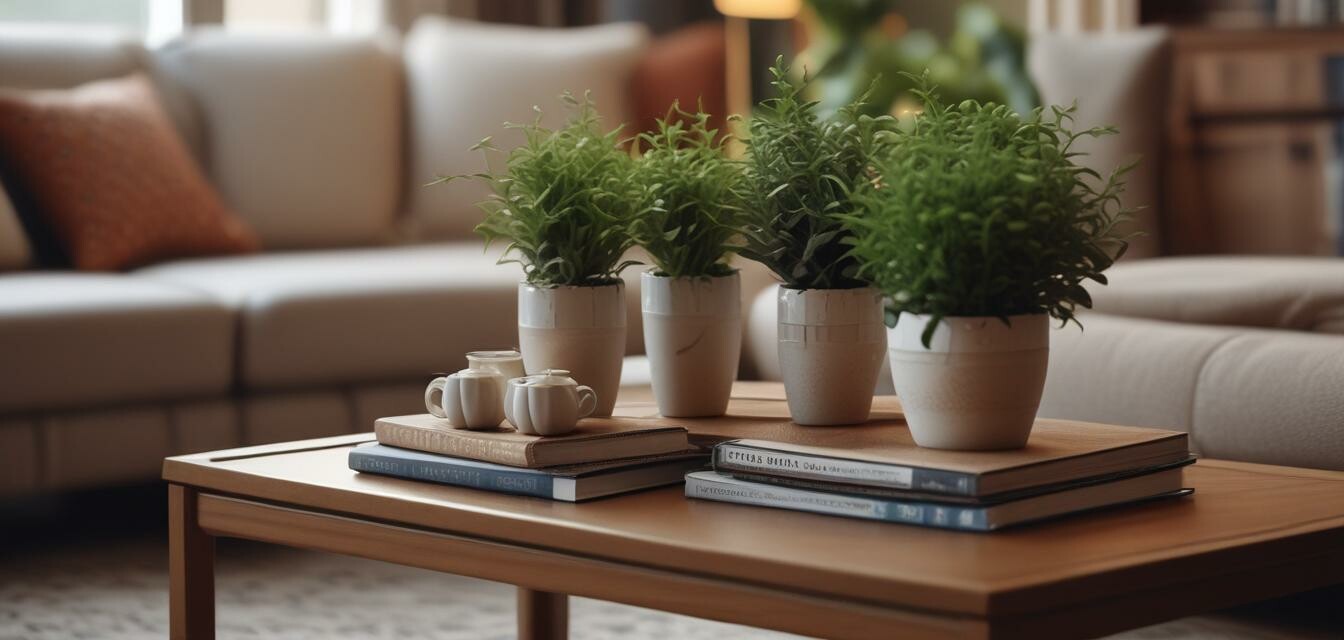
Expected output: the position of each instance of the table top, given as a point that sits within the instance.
(1240, 514)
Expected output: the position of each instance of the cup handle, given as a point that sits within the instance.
(434, 397)
(587, 398)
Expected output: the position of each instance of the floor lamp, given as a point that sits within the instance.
(737, 51)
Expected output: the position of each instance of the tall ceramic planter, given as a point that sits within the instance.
(578, 329)
(693, 337)
(977, 385)
(831, 343)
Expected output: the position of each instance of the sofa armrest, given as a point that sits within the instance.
(1257, 395)
(1302, 294)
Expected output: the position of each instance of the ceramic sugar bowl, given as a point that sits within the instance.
(547, 404)
(468, 399)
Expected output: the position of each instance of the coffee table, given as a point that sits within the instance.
(1251, 532)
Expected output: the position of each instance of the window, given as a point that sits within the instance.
(156, 20)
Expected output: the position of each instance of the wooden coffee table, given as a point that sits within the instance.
(1251, 532)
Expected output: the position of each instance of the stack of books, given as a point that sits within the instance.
(880, 474)
(606, 456)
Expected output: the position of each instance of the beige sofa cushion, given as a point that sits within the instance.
(1306, 294)
(1257, 395)
(58, 57)
(465, 79)
(1118, 79)
(303, 131)
(14, 250)
(77, 340)
(1126, 371)
(355, 315)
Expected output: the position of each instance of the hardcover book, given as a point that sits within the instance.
(709, 485)
(1058, 452)
(596, 439)
(569, 483)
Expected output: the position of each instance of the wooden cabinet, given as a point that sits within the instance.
(1253, 160)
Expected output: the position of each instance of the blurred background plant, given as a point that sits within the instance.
(851, 42)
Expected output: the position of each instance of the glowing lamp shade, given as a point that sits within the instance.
(759, 9)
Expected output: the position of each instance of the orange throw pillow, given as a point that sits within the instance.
(105, 170)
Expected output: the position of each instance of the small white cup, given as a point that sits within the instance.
(547, 404)
(468, 399)
(508, 362)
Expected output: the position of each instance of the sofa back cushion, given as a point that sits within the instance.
(302, 131)
(1118, 79)
(465, 79)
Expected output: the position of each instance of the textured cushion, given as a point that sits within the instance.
(44, 57)
(1118, 79)
(1257, 395)
(687, 66)
(1306, 294)
(14, 250)
(465, 79)
(303, 131)
(76, 340)
(105, 169)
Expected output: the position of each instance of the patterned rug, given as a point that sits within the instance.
(99, 570)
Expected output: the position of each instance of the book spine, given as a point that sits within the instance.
(728, 457)
(516, 482)
(432, 441)
(929, 515)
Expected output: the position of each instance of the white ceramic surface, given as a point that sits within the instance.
(547, 404)
(977, 385)
(831, 343)
(468, 399)
(508, 363)
(579, 329)
(693, 337)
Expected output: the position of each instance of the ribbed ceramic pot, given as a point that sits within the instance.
(978, 384)
(831, 343)
(578, 329)
(693, 337)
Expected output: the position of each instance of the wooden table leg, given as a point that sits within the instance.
(542, 615)
(191, 569)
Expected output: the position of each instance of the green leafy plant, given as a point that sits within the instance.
(692, 196)
(564, 202)
(982, 212)
(801, 173)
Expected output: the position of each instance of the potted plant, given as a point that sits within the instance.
(801, 173)
(563, 204)
(981, 229)
(691, 298)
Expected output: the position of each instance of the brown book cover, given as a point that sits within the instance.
(881, 452)
(596, 440)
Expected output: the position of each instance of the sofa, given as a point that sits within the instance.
(368, 282)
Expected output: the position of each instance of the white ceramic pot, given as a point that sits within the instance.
(578, 329)
(977, 385)
(831, 343)
(547, 404)
(693, 337)
(468, 399)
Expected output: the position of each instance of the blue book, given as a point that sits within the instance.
(709, 485)
(570, 483)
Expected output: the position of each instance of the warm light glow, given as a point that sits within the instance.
(759, 9)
